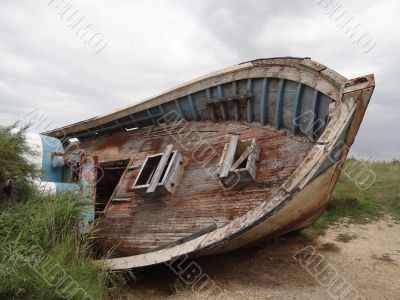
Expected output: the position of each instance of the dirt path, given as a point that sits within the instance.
(368, 262)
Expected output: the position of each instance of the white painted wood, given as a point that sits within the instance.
(222, 158)
(159, 170)
(253, 159)
(173, 173)
(228, 159)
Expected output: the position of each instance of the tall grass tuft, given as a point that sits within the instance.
(42, 256)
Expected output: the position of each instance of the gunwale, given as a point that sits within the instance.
(301, 70)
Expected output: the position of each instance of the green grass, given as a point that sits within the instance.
(40, 248)
(42, 254)
(364, 205)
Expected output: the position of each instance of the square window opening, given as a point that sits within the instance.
(159, 173)
(108, 177)
(147, 172)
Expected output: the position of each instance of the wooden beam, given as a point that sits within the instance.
(222, 104)
(179, 109)
(250, 108)
(150, 116)
(279, 103)
(223, 156)
(230, 98)
(297, 108)
(236, 102)
(229, 155)
(193, 108)
(133, 121)
(162, 111)
(159, 170)
(128, 123)
(264, 101)
(315, 124)
(212, 106)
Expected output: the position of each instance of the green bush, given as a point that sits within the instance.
(13, 163)
(13, 150)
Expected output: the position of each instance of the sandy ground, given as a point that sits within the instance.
(369, 265)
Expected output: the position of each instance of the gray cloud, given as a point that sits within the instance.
(156, 44)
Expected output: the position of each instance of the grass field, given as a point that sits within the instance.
(363, 205)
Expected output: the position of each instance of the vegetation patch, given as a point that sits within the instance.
(330, 247)
(385, 258)
(345, 237)
(364, 205)
(13, 150)
(42, 254)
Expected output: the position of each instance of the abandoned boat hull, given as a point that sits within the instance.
(277, 94)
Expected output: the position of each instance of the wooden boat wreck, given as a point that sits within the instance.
(239, 156)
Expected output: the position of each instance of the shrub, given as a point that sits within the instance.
(14, 163)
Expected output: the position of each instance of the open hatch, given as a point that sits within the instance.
(239, 161)
(107, 181)
(159, 173)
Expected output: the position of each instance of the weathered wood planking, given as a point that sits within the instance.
(292, 204)
(299, 70)
(160, 168)
(228, 159)
(199, 200)
(306, 207)
(295, 174)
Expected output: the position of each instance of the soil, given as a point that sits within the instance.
(368, 262)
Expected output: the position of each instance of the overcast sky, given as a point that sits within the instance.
(149, 46)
